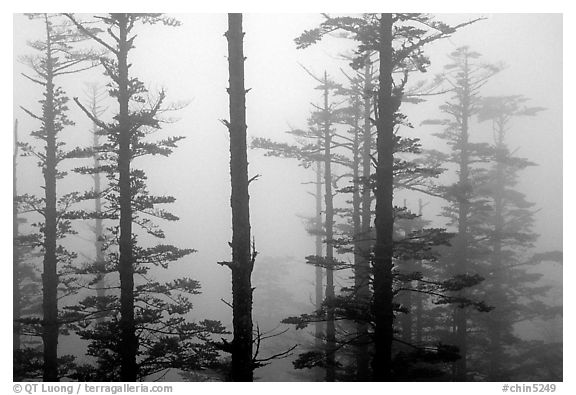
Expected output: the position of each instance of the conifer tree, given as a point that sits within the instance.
(57, 56)
(150, 317)
(468, 209)
(510, 237)
(398, 40)
(317, 146)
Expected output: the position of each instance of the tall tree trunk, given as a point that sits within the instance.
(328, 198)
(50, 274)
(318, 330)
(461, 244)
(17, 297)
(495, 330)
(382, 307)
(98, 227)
(242, 259)
(359, 243)
(128, 339)
(362, 276)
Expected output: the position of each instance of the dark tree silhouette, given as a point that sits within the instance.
(150, 317)
(383, 33)
(57, 57)
(242, 255)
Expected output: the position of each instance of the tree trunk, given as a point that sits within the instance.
(382, 307)
(461, 244)
(328, 198)
(98, 227)
(50, 274)
(318, 242)
(16, 306)
(362, 276)
(495, 330)
(242, 259)
(128, 339)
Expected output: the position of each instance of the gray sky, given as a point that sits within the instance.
(189, 62)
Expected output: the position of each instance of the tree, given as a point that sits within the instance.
(149, 316)
(316, 145)
(509, 284)
(382, 34)
(26, 286)
(242, 254)
(57, 57)
(467, 208)
(96, 98)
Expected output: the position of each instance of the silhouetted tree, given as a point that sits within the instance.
(149, 316)
(242, 255)
(57, 56)
(383, 33)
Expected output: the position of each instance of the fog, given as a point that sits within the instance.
(190, 63)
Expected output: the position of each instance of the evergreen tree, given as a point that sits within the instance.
(509, 284)
(468, 209)
(150, 317)
(408, 33)
(57, 56)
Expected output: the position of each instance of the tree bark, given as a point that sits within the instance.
(128, 339)
(382, 307)
(242, 257)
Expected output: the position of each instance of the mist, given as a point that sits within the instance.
(189, 62)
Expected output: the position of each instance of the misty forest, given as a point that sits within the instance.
(287, 197)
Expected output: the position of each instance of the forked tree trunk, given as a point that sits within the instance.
(242, 259)
(382, 307)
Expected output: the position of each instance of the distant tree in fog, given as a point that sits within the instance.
(510, 285)
(468, 209)
(26, 285)
(398, 40)
(96, 96)
(316, 145)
